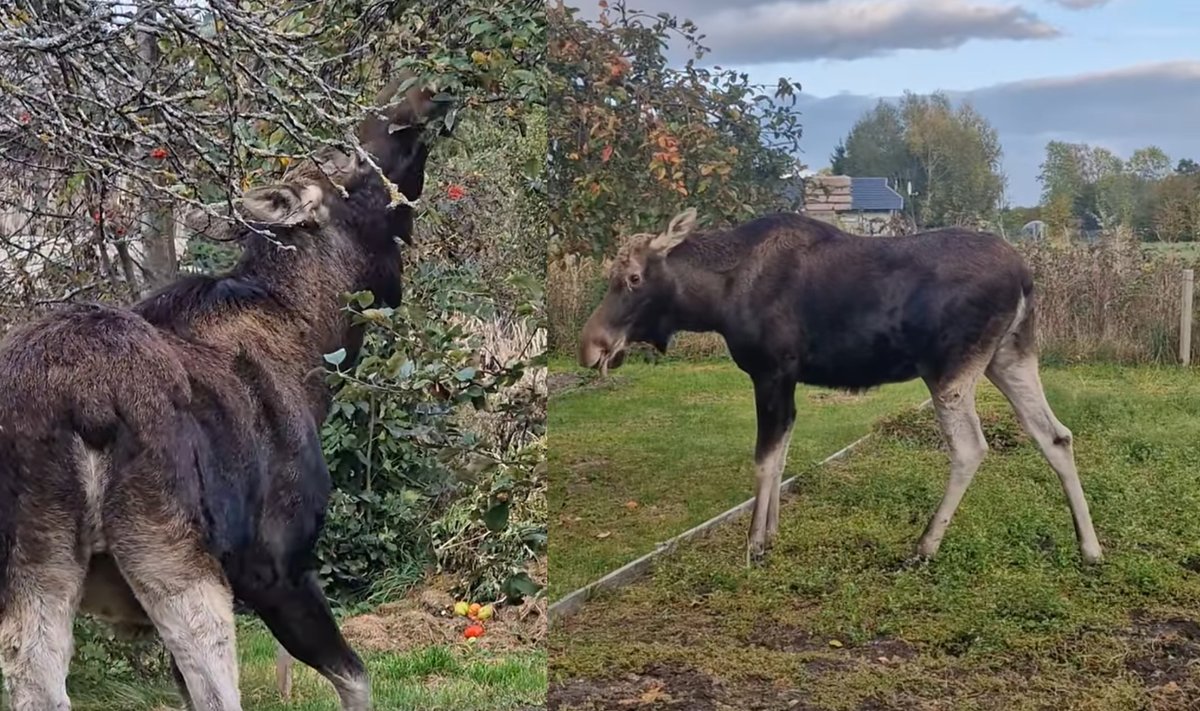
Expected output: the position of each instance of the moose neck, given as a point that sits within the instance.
(309, 319)
(699, 268)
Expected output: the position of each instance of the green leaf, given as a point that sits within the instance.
(337, 357)
(465, 374)
(496, 518)
(520, 586)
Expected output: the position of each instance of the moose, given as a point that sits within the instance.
(798, 300)
(160, 462)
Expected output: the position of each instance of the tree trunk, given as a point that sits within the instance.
(157, 217)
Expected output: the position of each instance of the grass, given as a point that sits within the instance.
(660, 448)
(1183, 250)
(1005, 618)
(428, 678)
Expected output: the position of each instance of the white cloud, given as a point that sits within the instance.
(1080, 4)
(799, 30)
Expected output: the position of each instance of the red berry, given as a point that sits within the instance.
(158, 153)
(455, 192)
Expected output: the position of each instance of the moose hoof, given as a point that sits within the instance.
(1093, 556)
(756, 553)
(926, 550)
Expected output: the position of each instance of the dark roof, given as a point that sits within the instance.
(870, 194)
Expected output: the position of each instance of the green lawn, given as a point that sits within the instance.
(1183, 250)
(429, 678)
(838, 619)
(676, 440)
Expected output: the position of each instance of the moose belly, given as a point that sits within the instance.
(106, 596)
(859, 364)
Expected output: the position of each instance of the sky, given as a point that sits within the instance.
(1115, 73)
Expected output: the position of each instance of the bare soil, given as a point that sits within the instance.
(425, 617)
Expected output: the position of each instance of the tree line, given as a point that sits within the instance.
(1091, 188)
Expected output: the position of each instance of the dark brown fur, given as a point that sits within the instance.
(800, 301)
(203, 404)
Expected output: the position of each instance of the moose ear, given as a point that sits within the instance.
(416, 108)
(680, 227)
(283, 205)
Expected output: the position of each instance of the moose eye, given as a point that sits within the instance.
(635, 279)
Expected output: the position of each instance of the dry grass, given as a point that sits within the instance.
(574, 285)
(1109, 301)
(505, 342)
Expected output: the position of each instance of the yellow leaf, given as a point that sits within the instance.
(836, 644)
(655, 694)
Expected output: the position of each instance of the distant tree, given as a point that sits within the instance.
(959, 157)
(837, 161)
(1098, 186)
(1149, 163)
(1177, 213)
(949, 156)
(876, 146)
(1187, 166)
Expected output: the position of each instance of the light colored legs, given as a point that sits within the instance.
(36, 635)
(959, 423)
(194, 617)
(773, 508)
(768, 475)
(1017, 377)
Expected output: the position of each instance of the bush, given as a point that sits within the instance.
(1109, 301)
(435, 434)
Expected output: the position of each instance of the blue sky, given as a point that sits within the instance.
(1117, 73)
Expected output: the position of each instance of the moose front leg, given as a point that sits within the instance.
(298, 614)
(775, 402)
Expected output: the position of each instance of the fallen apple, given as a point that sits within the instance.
(461, 609)
(473, 631)
(486, 612)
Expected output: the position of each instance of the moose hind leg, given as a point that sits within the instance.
(298, 614)
(185, 595)
(1016, 375)
(193, 613)
(36, 639)
(959, 423)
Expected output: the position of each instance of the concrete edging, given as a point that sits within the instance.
(570, 603)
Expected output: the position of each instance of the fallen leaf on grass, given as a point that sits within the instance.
(652, 695)
(655, 693)
(603, 534)
(631, 505)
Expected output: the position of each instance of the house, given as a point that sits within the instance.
(867, 206)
